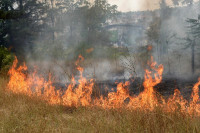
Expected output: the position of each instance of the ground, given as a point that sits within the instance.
(19, 113)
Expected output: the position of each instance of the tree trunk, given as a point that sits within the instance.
(193, 57)
(158, 53)
(53, 22)
(20, 5)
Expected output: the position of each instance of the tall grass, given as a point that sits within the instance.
(19, 113)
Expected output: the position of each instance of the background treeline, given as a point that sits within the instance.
(62, 29)
(23, 23)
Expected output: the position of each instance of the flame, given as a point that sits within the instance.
(89, 50)
(148, 97)
(18, 82)
(79, 93)
(194, 104)
(31, 85)
(149, 47)
(177, 102)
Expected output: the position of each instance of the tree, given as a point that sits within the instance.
(22, 21)
(89, 19)
(153, 32)
(157, 32)
(193, 34)
(97, 17)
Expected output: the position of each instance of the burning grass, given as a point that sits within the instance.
(79, 93)
(32, 104)
(21, 113)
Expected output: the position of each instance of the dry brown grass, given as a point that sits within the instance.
(20, 113)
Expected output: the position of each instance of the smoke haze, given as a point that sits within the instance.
(105, 62)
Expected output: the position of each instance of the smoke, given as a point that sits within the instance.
(105, 62)
(174, 31)
(172, 50)
(138, 5)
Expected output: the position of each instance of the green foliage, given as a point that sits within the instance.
(153, 32)
(114, 36)
(21, 22)
(83, 49)
(194, 27)
(89, 20)
(144, 55)
(6, 59)
(94, 51)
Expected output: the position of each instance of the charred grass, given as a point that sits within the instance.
(19, 113)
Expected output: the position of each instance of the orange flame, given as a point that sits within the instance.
(89, 50)
(148, 96)
(194, 104)
(79, 93)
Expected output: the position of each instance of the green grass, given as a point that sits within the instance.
(20, 113)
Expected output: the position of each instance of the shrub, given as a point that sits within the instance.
(6, 59)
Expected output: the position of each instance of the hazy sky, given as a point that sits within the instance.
(135, 5)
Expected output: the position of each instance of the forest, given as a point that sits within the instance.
(61, 30)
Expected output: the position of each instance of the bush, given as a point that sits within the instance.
(6, 59)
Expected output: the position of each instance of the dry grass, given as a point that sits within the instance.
(20, 113)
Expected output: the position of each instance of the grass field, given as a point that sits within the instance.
(20, 113)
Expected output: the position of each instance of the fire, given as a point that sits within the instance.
(176, 102)
(79, 92)
(89, 50)
(115, 99)
(149, 47)
(80, 95)
(194, 104)
(149, 95)
(32, 84)
(18, 83)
